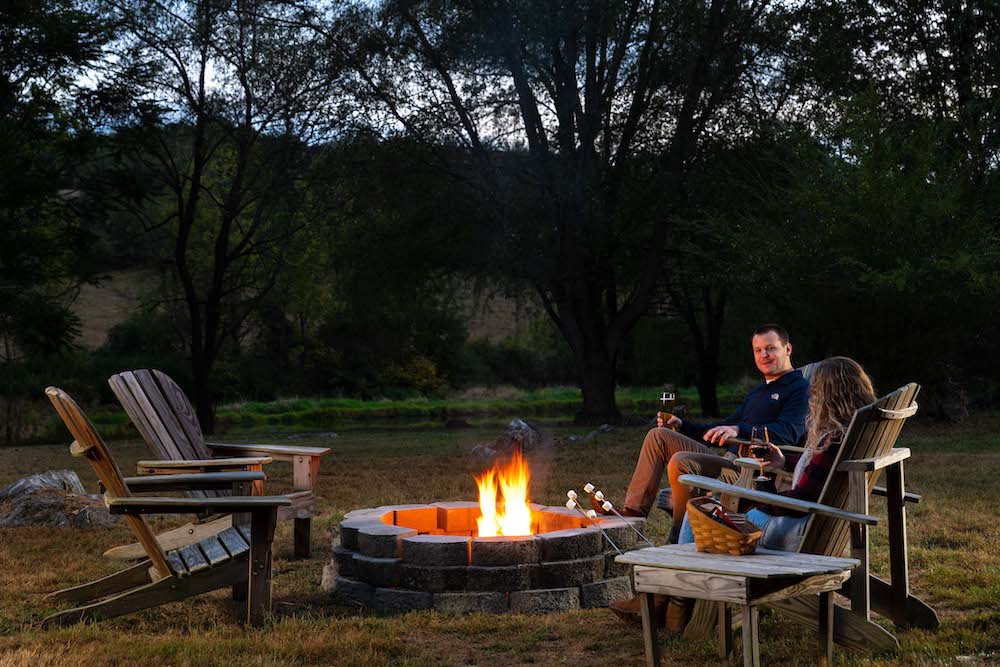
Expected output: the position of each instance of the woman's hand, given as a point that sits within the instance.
(774, 458)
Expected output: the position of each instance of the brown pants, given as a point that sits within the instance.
(680, 455)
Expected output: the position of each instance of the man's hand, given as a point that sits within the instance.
(719, 434)
(674, 422)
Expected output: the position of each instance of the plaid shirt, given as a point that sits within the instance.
(810, 484)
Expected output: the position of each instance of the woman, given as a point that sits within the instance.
(839, 387)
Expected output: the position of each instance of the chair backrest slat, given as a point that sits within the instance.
(870, 435)
(122, 390)
(90, 442)
(184, 413)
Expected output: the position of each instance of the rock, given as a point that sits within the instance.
(329, 580)
(603, 428)
(523, 434)
(52, 498)
(59, 480)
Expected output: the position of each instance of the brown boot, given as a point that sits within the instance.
(629, 610)
(678, 614)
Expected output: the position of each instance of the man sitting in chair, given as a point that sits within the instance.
(779, 403)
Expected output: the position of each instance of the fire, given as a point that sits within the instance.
(503, 499)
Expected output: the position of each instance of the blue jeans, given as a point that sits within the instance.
(781, 533)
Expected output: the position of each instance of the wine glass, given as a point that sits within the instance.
(760, 442)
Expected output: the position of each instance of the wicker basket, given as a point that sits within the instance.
(713, 537)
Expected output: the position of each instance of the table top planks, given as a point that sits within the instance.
(762, 564)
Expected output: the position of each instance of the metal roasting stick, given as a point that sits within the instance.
(608, 507)
(572, 504)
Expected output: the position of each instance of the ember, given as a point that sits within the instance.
(503, 499)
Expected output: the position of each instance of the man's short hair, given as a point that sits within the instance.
(776, 328)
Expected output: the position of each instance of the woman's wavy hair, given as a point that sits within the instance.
(839, 386)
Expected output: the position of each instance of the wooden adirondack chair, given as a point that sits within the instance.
(234, 556)
(866, 451)
(167, 422)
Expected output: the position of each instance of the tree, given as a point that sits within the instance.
(43, 248)
(227, 97)
(556, 104)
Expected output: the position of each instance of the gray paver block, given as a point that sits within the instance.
(469, 602)
(370, 513)
(439, 550)
(344, 559)
(349, 530)
(397, 600)
(433, 579)
(382, 541)
(622, 534)
(564, 573)
(571, 544)
(377, 571)
(353, 590)
(500, 551)
(605, 592)
(545, 601)
(612, 569)
(500, 579)
(457, 516)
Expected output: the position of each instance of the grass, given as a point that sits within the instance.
(953, 536)
(482, 403)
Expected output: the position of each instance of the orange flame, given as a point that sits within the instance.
(503, 499)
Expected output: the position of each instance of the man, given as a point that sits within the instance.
(779, 403)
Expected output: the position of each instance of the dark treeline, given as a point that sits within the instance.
(315, 191)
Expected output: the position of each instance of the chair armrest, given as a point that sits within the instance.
(228, 505)
(277, 452)
(712, 484)
(166, 467)
(198, 481)
(791, 449)
(894, 456)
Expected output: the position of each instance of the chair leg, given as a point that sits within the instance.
(751, 647)
(725, 630)
(303, 538)
(898, 564)
(259, 588)
(652, 645)
(826, 629)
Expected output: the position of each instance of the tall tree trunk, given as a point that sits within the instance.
(597, 383)
(203, 404)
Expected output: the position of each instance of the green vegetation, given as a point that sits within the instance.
(952, 532)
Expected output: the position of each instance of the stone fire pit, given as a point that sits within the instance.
(403, 557)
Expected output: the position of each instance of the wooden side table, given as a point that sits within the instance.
(749, 581)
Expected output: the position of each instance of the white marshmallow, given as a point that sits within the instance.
(607, 506)
(589, 488)
(571, 494)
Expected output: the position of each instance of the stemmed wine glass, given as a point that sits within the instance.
(760, 442)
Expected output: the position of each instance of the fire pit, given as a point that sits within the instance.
(500, 554)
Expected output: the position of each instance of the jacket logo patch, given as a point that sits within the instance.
(775, 397)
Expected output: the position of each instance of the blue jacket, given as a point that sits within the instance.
(781, 406)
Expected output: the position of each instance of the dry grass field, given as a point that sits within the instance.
(955, 566)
